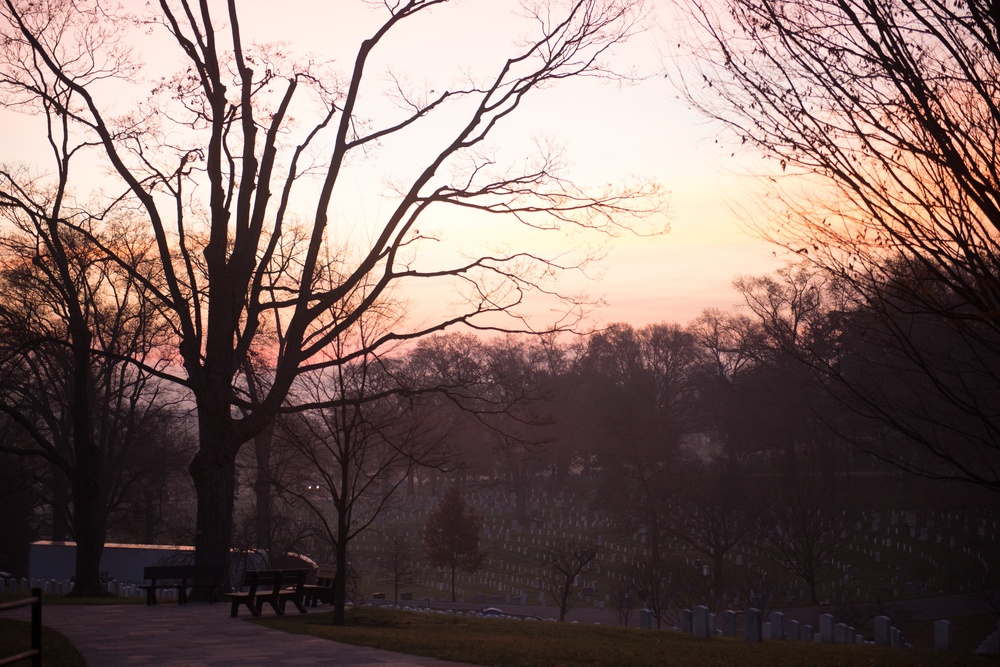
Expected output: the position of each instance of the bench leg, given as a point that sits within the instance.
(255, 605)
(296, 602)
(235, 611)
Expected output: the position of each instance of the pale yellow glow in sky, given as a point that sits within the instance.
(609, 132)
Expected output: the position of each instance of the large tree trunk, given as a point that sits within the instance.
(89, 510)
(90, 531)
(213, 470)
(263, 489)
(214, 475)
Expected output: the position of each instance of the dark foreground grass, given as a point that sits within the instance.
(57, 651)
(968, 632)
(507, 643)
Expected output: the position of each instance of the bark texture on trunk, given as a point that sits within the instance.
(214, 474)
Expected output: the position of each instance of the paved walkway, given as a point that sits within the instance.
(203, 635)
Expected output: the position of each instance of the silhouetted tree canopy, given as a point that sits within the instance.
(880, 120)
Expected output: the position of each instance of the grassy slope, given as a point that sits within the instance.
(57, 651)
(539, 644)
(536, 644)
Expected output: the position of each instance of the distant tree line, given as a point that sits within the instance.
(737, 427)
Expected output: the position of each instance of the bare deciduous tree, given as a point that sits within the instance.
(623, 596)
(362, 442)
(398, 561)
(813, 508)
(711, 512)
(564, 563)
(70, 325)
(221, 157)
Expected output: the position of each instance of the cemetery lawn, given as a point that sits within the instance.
(506, 643)
(15, 636)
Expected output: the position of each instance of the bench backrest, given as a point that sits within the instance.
(296, 578)
(253, 579)
(274, 580)
(326, 573)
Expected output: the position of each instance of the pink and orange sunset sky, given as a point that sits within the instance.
(609, 132)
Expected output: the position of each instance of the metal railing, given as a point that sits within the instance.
(35, 652)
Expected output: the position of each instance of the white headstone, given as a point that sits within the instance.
(826, 628)
(753, 629)
(777, 625)
(882, 626)
(701, 625)
(942, 636)
(686, 620)
(729, 623)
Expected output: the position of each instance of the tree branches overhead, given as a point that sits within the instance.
(882, 120)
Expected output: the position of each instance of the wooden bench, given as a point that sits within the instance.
(273, 587)
(322, 590)
(181, 578)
